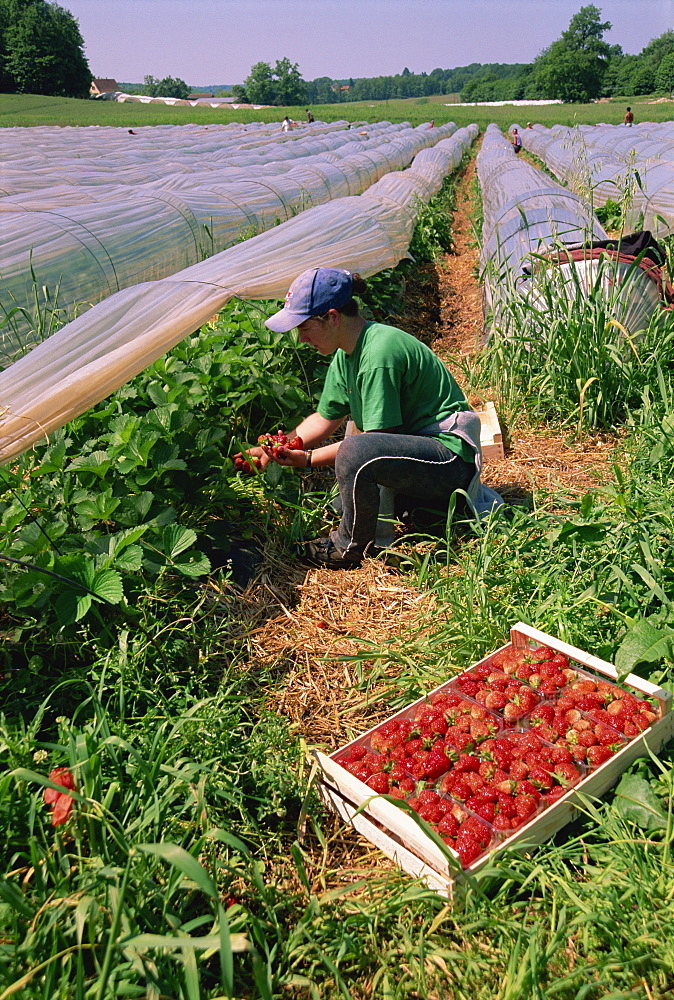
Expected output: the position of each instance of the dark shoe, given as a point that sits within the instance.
(323, 552)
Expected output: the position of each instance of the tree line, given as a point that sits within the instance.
(578, 67)
(41, 50)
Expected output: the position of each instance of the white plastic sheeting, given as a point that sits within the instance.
(524, 211)
(525, 214)
(105, 347)
(95, 210)
(632, 166)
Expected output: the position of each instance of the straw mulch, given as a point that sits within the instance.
(305, 624)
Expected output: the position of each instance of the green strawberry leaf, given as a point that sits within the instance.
(176, 538)
(637, 802)
(107, 584)
(644, 644)
(131, 559)
(193, 564)
(70, 607)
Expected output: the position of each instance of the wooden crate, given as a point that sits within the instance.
(395, 832)
(491, 438)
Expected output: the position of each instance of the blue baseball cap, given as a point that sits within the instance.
(312, 293)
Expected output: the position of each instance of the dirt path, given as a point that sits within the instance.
(538, 459)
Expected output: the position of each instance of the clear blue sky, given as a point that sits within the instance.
(217, 41)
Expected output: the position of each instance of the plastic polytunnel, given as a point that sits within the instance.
(89, 212)
(106, 346)
(632, 166)
(524, 211)
(526, 216)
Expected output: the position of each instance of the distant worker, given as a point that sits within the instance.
(431, 124)
(288, 124)
(529, 125)
(131, 132)
(516, 141)
(629, 118)
(310, 117)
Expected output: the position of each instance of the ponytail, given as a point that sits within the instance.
(358, 287)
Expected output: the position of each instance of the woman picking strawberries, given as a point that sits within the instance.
(420, 437)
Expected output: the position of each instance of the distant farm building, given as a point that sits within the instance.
(101, 86)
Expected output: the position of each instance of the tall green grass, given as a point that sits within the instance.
(560, 349)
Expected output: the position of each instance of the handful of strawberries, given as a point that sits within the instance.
(276, 443)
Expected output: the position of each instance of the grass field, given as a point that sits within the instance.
(26, 110)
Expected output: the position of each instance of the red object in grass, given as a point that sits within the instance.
(61, 802)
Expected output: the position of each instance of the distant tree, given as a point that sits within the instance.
(290, 87)
(259, 84)
(42, 50)
(665, 77)
(282, 86)
(170, 87)
(657, 49)
(240, 94)
(572, 68)
(321, 91)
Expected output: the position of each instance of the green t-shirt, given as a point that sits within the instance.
(393, 382)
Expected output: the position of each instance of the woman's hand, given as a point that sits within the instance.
(258, 455)
(293, 457)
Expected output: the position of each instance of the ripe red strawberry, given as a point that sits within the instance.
(461, 791)
(474, 781)
(525, 806)
(469, 687)
(543, 713)
(432, 814)
(606, 735)
(527, 787)
(518, 770)
(566, 774)
(448, 825)
(378, 782)
(598, 755)
(559, 660)
(539, 777)
(467, 762)
(482, 807)
(506, 805)
(502, 822)
(468, 847)
(527, 742)
(459, 740)
(296, 443)
(436, 763)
